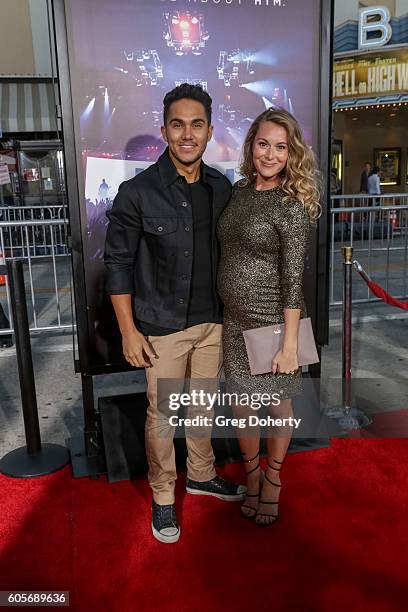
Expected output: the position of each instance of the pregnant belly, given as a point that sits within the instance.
(247, 288)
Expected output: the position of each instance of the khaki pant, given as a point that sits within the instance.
(194, 353)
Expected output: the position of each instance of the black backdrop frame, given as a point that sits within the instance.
(78, 221)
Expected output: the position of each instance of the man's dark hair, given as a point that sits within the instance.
(189, 92)
(368, 164)
(376, 170)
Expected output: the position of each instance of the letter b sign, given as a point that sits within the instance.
(374, 19)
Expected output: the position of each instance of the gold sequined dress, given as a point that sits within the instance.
(263, 242)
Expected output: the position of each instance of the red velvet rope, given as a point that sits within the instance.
(385, 296)
(378, 290)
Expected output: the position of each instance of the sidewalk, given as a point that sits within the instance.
(380, 353)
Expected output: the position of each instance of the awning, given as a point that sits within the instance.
(27, 107)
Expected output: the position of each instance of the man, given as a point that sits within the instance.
(374, 187)
(161, 247)
(373, 182)
(364, 177)
(103, 191)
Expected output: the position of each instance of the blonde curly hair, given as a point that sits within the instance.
(300, 179)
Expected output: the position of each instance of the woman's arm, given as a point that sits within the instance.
(290, 338)
(286, 360)
(293, 227)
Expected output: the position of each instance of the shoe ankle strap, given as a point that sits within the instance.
(253, 458)
(277, 469)
(275, 484)
(248, 461)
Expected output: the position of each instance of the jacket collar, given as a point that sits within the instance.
(169, 174)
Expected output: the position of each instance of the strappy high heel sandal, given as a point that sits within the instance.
(271, 518)
(247, 511)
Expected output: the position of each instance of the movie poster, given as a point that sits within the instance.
(126, 54)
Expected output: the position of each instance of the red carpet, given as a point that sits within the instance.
(341, 542)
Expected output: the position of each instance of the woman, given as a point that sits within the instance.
(263, 234)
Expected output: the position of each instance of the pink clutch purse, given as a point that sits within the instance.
(263, 343)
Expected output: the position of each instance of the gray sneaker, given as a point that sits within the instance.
(165, 525)
(217, 487)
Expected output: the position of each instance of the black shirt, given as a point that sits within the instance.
(202, 304)
(364, 181)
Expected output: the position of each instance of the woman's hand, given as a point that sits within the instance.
(285, 362)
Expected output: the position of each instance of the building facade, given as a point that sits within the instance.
(27, 77)
(370, 93)
(30, 144)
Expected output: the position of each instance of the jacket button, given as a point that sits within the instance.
(160, 228)
(181, 300)
(184, 277)
(187, 229)
(184, 204)
(186, 253)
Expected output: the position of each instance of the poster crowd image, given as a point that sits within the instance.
(126, 54)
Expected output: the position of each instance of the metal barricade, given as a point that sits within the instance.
(377, 229)
(13, 236)
(42, 245)
(30, 213)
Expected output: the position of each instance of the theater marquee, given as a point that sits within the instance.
(371, 75)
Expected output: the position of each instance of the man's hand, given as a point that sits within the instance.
(137, 350)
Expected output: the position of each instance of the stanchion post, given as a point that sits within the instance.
(24, 356)
(34, 459)
(348, 417)
(347, 315)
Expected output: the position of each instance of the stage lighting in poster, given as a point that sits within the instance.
(231, 117)
(185, 32)
(201, 82)
(143, 65)
(235, 67)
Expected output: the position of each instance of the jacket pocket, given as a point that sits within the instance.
(159, 226)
